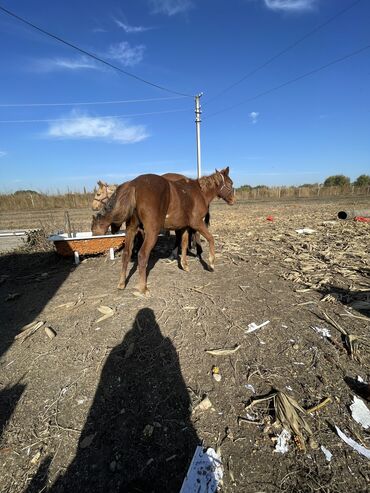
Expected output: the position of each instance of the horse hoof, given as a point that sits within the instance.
(142, 293)
(211, 268)
(121, 285)
(185, 268)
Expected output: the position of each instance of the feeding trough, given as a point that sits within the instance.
(84, 243)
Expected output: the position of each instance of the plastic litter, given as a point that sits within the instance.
(327, 453)
(306, 231)
(282, 442)
(253, 326)
(360, 412)
(205, 472)
(356, 446)
(322, 331)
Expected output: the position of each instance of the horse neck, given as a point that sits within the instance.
(210, 193)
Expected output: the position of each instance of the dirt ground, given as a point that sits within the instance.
(111, 405)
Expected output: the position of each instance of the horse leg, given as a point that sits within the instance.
(131, 229)
(175, 252)
(203, 230)
(184, 244)
(150, 240)
(198, 245)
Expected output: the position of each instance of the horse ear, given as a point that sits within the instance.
(100, 183)
(216, 170)
(226, 171)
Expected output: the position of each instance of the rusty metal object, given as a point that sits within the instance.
(87, 246)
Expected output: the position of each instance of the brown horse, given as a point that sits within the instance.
(105, 191)
(157, 204)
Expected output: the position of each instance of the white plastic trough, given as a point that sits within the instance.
(84, 243)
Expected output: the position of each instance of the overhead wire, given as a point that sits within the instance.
(86, 103)
(282, 52)
(291, 81)
(89, 54)
(79, 117)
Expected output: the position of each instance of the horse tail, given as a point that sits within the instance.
(207, 219)
(123, 201)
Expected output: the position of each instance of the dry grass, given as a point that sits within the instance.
(35, 201)
(75, 200)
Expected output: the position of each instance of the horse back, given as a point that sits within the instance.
(152, 194)
(186, 203)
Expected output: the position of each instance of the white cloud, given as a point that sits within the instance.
(3, 153)
(254, 116)
(131, 29)
(126, 54)
(171, 7)
(123, 52)
(290, 5)
(76, 63)
(88, 127)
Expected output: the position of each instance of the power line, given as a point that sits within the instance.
(285, 50)
(93, 117)
(91, 55)
(291, 81)
(84, 103)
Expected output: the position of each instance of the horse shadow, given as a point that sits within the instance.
(162, 250)
(138, 436)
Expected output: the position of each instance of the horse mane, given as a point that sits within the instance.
(108, 206)
(209, 182)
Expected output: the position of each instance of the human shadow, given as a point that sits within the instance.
(138, 436)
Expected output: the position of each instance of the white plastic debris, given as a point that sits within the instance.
(327, 453)
(249, 386)
(282, 442)
(305, 231)
(356, 446)
(253, 326)
(360, 412)
(322, 331)
(204, 473)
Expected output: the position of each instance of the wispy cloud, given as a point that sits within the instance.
(290, 5)
(75, 63)
(126, 54)
(99, 30)
(90, 127)
(131, 29)
(254, 116)
(3, 153)
(171, 7)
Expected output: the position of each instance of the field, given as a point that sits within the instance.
(113, 405)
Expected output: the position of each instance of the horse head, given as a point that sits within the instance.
(99, 225)
(225, 190)
(103, 193)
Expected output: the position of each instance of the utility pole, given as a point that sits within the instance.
(198, 112)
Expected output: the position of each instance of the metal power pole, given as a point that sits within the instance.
(198, 112)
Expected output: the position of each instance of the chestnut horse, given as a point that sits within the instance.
(157, 204)
(105, 191)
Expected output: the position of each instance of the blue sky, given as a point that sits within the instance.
(300, 133)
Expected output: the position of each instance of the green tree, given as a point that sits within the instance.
(337, 181)
(362, 181)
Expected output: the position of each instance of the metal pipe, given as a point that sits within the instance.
(353, 213)
(197, 128)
